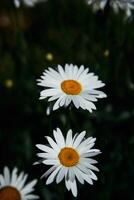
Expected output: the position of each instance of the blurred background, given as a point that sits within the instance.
(58, 32)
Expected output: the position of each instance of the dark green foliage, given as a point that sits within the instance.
(72, 33)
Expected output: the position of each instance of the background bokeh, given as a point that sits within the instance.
(59, 32)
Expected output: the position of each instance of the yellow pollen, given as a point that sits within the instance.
(9, 193)
(71, 87)
(68, 157)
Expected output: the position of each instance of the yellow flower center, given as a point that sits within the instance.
(71, 87)
(9, 193)
(68, 157)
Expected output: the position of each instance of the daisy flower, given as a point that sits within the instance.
(97, 4)
(71, 84)
(126, 5)
(27, 2)
(13, 187)
(70, 159)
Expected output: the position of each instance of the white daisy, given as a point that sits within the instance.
(126, 5)
(13, 187)
(71, 158)
(97, 4)
(71, 84)
(27, 2)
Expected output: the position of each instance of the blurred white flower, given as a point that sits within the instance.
(97, 4)
(69, 158)
(71, 84)
(14, 187)
(27, 2)
(126, 5)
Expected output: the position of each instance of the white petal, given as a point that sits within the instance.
(88, 97)
(57, 103)
(83, 168)
(71, 186)
(17, 3)
(68, 100)
(19, 178)
(103, 4)
(59, 138)
(55, 73)
(85, 104)
(14, 177)
(93, 167)
(83, 74)
(68, 185)
(52, 143)
(53, 175)
(75, 71)
(81, 69)
(86, 148)
(49, 171)
(71, 174)
(29, 187)
(87, 179)
(54, 97)
(69, 139)
(90, 160)
(61, 175)
(74, 188)
(2, 181)
(98, 94)
(45, 148)
(46, 155)
(93, 176)
(78, 174)
(6, 175)
(86, 143)
(63, 100)
(90, 154)
(50, 162)
(68, 71)
(79, 139)
(76, 102)
(87, 171)
(31, 196)
(61, 71)
(20, 185)
(50, 92)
